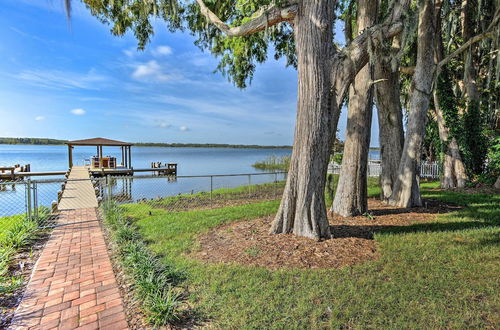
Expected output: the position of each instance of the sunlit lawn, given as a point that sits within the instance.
(444, 274)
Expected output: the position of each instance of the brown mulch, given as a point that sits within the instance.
(249, 243)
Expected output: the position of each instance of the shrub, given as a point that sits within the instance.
(153, 281)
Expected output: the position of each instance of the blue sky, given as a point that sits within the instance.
(78, 81)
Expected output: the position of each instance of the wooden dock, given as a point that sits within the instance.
(79, 192)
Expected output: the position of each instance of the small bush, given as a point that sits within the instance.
(274, 163)
(153, 281)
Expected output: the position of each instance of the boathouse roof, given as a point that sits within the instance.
(99, 141)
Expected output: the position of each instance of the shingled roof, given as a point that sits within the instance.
(98, 142)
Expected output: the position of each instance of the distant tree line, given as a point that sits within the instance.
(207, 145)
(45, 141)
(37, 141)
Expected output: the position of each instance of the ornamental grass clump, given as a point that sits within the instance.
(153, 282)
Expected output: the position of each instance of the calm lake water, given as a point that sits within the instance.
(191, 161)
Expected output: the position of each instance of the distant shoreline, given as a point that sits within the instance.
(45, 141)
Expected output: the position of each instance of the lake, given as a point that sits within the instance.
(191, 161)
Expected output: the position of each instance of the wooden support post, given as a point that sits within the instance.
(70, 155)
(100, 156)
(129, 157)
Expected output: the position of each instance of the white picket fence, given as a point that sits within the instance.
(428, 170)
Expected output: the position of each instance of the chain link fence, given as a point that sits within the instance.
(182, 193)
(37, 201)
(428, 170)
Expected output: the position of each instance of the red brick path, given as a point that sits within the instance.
(73, 285)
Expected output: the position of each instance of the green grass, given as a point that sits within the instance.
(16, 233)
(154, 284)
(442, 274)
(274, 162)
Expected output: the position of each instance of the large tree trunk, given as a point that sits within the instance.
(390, 117)
(351, 195)
(406, 191)
(302, 210)
(453, 175)
(470, 74)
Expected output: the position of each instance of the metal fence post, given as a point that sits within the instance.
(35, 202)
(249, 184)
(110, 190)
(211, 186)
(275, 185)
(28, 199)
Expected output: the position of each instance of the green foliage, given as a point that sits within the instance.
(136, 15)
(337, 158)
(448, 104)
(207, 145)
(475, 140)
(154, 282)
(493, 167)
(441, 274)
(274, 162)
(238, 56)
(432, 147)
(16, 233)
(36, 141)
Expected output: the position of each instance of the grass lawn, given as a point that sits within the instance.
(7, 224)
(443, 274)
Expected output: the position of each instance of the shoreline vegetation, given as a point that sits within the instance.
(273, 162)
(46, 141)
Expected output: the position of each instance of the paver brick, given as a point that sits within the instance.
(72, 285)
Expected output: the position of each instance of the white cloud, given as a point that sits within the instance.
(129, 52)
(162, 51)
(58, 79)
(39, 118)
(164, 125)
(152, 71)
(78, 112)
(184, 128)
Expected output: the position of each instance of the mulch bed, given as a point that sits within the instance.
(249, 243)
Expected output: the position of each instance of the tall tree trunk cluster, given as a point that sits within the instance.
(390, 116)
(325, 76)
(406, 190)
(351, 196)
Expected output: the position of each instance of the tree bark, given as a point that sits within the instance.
(390, 116)
(470, 74)
(453, 167)
(351, 195)
(406, 191)
(454, 175)
(303, 210)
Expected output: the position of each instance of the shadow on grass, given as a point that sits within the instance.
(367, 231)
(451, 218)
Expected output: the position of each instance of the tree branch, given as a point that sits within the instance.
(489, 33)
(263, 19)
(461, 49)
(409, 70)
(352, 58)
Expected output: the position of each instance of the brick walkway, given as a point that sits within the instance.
(72, 285)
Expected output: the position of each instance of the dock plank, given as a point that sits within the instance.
(79, 192)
